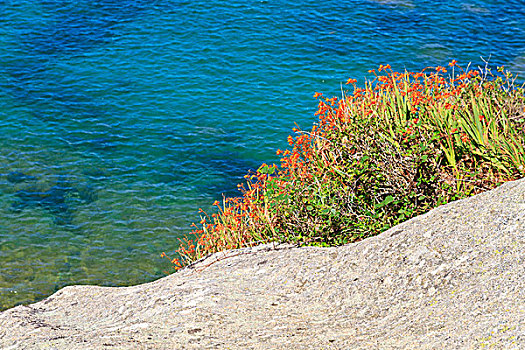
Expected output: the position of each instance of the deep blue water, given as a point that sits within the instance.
(119, 119)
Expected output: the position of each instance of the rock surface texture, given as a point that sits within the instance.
(450, 279)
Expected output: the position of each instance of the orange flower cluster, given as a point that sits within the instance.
(311, 196)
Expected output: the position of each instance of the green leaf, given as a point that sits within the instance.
(265, 169)
(387, 200)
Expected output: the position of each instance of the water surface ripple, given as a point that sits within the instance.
(119, 119)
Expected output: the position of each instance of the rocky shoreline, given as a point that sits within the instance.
(452, 278)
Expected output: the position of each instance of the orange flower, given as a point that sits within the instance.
(351, 81)
(453, 63)
(317, 94)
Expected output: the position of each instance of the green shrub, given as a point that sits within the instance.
(392, 150)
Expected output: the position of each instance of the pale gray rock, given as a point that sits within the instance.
(450, 279)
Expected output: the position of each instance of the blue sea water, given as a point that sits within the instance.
(119, 119)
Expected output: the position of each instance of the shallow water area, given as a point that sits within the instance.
(120, 119)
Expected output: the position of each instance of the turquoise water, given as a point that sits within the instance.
(119, 119)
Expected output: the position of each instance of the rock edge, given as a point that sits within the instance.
(451, 278)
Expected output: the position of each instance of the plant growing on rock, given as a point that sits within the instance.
(383, 153)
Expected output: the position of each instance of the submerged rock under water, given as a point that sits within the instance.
(18, 177)
(59, 200)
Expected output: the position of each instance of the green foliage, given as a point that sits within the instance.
(404, 144)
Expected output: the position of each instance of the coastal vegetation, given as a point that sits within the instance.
(388, 150)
